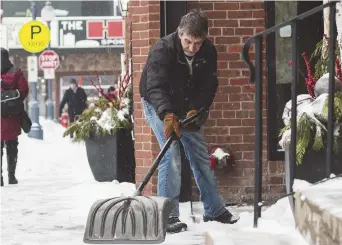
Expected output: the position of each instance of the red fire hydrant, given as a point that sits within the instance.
(65, 120)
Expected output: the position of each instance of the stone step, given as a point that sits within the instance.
(318, 212)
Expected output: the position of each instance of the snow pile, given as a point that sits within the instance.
(314, 110)
(106, 121)
(220, 154)
(56, 189)
(276, 227)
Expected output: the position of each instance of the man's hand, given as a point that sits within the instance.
(171, 125)
(191, 113)
(192, 127)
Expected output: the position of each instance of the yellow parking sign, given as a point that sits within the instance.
(34, 36)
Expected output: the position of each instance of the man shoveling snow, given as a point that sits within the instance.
(178, 80)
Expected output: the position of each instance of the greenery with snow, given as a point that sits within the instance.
(104, 116)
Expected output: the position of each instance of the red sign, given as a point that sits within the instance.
(100, 29)
(49, 59)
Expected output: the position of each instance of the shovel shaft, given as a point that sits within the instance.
(161, 154)
(154, 166)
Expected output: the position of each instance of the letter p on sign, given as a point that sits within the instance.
(34, 36)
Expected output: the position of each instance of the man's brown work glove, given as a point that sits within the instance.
(191, 113)
(171, 125)
(192, 126)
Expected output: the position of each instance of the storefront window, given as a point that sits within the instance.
(63, 8)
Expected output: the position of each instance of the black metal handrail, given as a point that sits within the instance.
(256, 77)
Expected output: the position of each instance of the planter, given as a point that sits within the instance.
(112, 157)
(312, 168)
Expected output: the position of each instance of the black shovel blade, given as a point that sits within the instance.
(127, 220)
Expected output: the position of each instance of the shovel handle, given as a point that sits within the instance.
(147, 177)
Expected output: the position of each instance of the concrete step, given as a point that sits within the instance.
(318, 212)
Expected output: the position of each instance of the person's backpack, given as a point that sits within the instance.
(11, 104)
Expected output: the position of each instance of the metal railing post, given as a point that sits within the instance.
(332, 44)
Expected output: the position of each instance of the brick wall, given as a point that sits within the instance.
(145, 32)
(231, 121)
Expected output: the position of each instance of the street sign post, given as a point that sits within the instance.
(32, 69)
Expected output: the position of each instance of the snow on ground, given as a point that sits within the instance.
(56, 189)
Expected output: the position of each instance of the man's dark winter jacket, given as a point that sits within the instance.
(166, 83)
(77, 102)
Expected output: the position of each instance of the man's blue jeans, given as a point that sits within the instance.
(169, 171)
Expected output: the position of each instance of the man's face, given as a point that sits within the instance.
(190, 44)
(73, 85)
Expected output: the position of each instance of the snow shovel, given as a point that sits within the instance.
(132, 220)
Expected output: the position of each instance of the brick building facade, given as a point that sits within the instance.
(231, 121)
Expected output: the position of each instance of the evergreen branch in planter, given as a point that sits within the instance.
(321, 54)
(105, 115)
(304, 136)
(312, 117)
(337, 107)
(311, 133)
(337, 146)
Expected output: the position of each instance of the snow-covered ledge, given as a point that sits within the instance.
(319, 212)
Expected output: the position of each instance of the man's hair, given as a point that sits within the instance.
(194, 24)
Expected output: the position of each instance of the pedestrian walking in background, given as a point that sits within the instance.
(76, 98)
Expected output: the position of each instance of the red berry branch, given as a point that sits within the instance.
(310, 80)
(339, 69)
(124, 82)
(99, 88)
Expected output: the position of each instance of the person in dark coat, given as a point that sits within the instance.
(76, 98)
(10, 126)
(178, 80)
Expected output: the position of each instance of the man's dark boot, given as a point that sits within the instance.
(225, 218)
(175, 225)
(12, 156)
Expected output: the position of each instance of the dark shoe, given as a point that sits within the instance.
(175, 225)
(12, 180)
(225, 218)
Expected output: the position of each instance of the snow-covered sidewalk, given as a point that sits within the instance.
(56, 189)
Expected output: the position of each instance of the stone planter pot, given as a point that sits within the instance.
(112, 157)
(312, 168)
